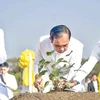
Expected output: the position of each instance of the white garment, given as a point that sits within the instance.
(3, 55)
(11, 83)
(89, 65)
(95, 84)
(75, 57)
(86, 85)
(3, 89)
(3, 97)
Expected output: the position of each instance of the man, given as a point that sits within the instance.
(89, 65)
(8, 79)
(93, 85)
(64, 46)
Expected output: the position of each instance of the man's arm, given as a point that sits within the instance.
(38, 57)
(89, 65)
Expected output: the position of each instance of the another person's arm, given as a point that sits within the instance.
(3, 55)
(89, 65)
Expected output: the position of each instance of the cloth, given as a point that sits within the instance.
(75, 49)
(3, 55)
(25, 78)
(93, 86)
(99, 82)
(11, 83)
(3, 97)
(86, 85)
(3, 89)
(89, 65)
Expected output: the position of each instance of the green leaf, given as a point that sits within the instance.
(55, 85)
(46, 63)
(51, 76)
(41, 62)
(63, 78)
(53, 66)
(46, 84)
(42, 72)
(40, 68)
(59, 60)
(56, 73)
(64, 66)
(67, 86)
(50, 53)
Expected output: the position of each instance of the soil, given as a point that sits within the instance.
(58, 96)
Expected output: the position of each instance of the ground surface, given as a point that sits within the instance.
(58, 96)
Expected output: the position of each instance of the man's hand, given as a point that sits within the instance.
(38, 81)
(72, 84)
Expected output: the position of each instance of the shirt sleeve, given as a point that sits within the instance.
(89, 65)
(38, 57)
(3, 55)
(13, 84)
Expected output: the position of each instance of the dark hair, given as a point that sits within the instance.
(57, 31)
(94, 74)
(5, 64)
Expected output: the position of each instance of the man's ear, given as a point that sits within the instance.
(51, 40)
(7, 69)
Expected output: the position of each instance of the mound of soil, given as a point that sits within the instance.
(58, 96)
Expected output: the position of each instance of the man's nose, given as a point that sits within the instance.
(61, 48)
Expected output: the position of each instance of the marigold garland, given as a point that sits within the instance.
(24, 58)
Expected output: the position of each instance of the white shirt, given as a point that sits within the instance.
(3, 97)
(95, 86)
(3, 91)
(11, 83)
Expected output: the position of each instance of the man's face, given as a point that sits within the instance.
(94, 77)
(3, 70)
(61, 44)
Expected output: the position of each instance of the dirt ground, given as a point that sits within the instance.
(58, 96)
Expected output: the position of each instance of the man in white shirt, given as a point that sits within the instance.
(64, 46)
(8, 79)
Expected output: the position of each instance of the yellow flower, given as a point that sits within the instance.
(24, 58)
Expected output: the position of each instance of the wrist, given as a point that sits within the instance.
(75, 82)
